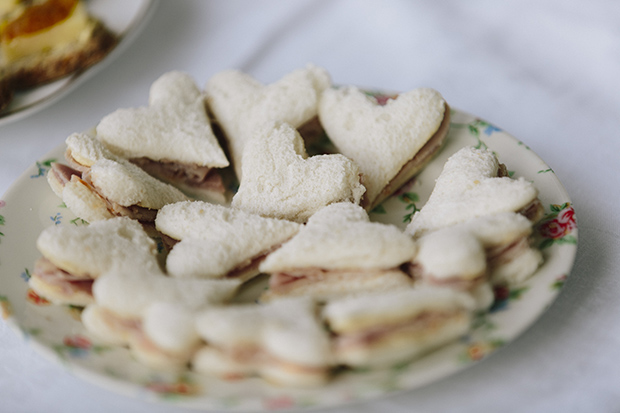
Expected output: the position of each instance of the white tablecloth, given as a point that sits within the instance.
(546, 71)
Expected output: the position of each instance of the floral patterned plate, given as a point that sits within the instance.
(30, 206)
(126, 18)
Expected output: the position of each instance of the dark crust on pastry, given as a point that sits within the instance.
(38, 70)
(6, 93)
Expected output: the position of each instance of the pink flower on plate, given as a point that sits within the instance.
(282, 402)
(35, 298)
(561, 223)
(179, 388)
(566, 218)
(77, 341)
(2, 203)
(552, 229)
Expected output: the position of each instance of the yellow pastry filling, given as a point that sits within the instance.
(44, 27)
(7, 6)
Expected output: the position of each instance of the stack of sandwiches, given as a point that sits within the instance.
(341, 290)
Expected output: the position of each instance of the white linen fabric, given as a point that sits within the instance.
(546, 71)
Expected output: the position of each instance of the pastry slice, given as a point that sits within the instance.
(41, 41)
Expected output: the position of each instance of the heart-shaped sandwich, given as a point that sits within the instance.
(74, 256)
(100, 185)
(280, 181)
(392, 327)
(339, 252)
(472, 184)
(284, 342)
(491, 249)
(218, 242)
(128, 310)
(390, 142)
(240, 103)
(171, 139)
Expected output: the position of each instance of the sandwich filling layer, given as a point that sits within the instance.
(301, 278)
(189, 175)
(257, 356)
(131, 331)
(64, 283)
(64, 174)
(423, 323)
(414, 165)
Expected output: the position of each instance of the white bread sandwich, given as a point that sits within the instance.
(74, 256)
(391, 141)
(476, 255)
(163, 338)
(281, 181)
(454, 258)
(138, 307)
(240, 103)
(214, 241)
(170, 139)
(100, 185)
(284, 342)
(472, 184)
(44, 40)
(506, 238)
(386, 329)
(339, 252)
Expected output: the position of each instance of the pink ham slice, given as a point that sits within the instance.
(63, 173)
(190, 175)
(69, 284)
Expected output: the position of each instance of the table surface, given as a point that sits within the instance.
(546, 71)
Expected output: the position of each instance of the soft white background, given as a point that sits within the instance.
(546, 71)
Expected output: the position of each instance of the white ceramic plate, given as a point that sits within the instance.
(126, 18)
(30, 206)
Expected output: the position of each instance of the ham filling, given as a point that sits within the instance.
(190, 175)
(132, 328)
(63, 173)
(121, 324)
(504, 254)
(496, 257)
(69, 284)
(247, 267)
(283, 282)
(413, 166)
(422, 322)
(254, 355)
(533, 211)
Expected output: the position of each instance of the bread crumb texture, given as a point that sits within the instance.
(380, 138)
(280, 180)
